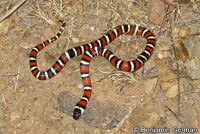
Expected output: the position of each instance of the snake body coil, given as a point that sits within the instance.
(90, 50)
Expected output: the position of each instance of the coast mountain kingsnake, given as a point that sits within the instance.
(95, 48)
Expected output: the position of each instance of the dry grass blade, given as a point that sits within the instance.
(47, 11)
(111, 8)
(195, 6)
(18, 73)
(121, 79)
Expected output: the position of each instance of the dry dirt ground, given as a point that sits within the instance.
(165, 93)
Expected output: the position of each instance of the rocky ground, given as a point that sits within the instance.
(165, 93)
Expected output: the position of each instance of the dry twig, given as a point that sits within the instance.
(176, 15)
(123, 120)
(188, 20)
(12, 10)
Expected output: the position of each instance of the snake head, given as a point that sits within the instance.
(77, 113)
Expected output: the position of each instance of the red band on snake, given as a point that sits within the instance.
(95, 48)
